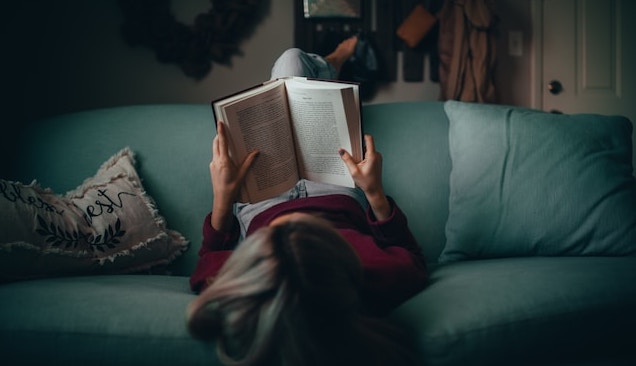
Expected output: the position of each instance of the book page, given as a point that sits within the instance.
(261, 122)
(300, 81)
(319, 119)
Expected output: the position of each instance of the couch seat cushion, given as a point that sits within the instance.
(99, 320)
(489, 312)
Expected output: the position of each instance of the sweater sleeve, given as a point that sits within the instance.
(393, 263)
(215, 249)
(394, 231)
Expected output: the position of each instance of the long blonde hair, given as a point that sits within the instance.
(290, 295)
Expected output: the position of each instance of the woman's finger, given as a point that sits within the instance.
(370, 144)
(348, 160)
(220, 133)
(247, 163)
(215, 146)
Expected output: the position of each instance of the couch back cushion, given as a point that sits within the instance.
(413, 140)
(526, 183)
(172, 147)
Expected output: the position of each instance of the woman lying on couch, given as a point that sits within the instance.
(314, 270)
(312, 274)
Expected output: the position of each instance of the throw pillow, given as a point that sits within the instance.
(530, 183)
(108, 225)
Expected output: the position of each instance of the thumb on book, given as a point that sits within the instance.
(348, 160)
(247, 163)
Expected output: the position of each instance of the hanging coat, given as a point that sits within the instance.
(467, 50)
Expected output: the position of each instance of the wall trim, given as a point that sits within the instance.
(536, 63)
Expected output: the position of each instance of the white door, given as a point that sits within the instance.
(586, 56)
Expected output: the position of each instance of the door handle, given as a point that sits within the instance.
(555, 87)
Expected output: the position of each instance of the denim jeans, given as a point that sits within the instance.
(245, 212)
(296, 62)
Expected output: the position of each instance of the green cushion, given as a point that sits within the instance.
(526, 311)
(526, 182)
(100, 320)
(413, 140)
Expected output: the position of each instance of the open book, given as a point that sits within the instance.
(297, 125)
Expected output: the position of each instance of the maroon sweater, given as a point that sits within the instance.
(393, 265)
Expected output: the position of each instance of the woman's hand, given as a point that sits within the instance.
(367, 174)
(227, 178)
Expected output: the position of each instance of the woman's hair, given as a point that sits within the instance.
(290, 295)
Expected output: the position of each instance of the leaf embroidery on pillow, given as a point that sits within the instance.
(58, 237)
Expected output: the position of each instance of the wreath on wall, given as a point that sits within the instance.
(214, 37)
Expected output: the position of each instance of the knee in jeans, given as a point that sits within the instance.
(289, 63)
(293, 53)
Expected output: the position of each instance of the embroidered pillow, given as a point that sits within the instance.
(108, 225)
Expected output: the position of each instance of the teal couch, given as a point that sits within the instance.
(532, 256)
